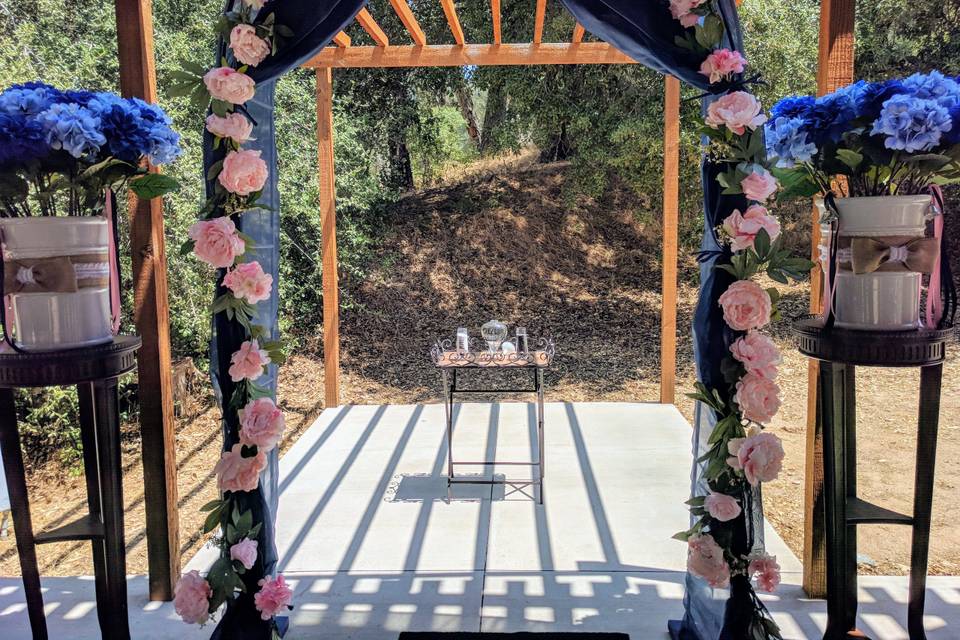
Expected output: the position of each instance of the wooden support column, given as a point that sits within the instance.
(671, 216)
(834, 70)
(151, 315)
(328, 237)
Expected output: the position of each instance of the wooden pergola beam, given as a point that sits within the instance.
(834, 70)
(495, 14)
(151, 314)
(578, 33)
(341, 39)
(450, 11)
(409, 21)
(469, 55)
(372, 28)
(538, 21)
(328, 238)
(671, 223)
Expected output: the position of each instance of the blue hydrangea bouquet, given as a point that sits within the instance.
(894, 137)
(61, 150)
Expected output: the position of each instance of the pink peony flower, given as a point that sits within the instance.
(743, 228)
(248, 361)
(721, 506)
(216, 241)
(244, 172)
(236, 473)
(247, 47)
(261, 424)
(682, 10)
(746, 305)
(767, 570)
(235, 126)
(248, 282)
(245, 552)
(758, 354)
(705, 559)
(760, 456)
(229, 85)
(759, 185)
(721, 64)
(738, 111)
(191, 598)
(274, 596)
(758, 397)
(689, 20)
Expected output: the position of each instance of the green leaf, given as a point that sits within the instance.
(153, 185)
(761, 245)
(850, 158)
(212, 520)
(213, 504)
(795, 183)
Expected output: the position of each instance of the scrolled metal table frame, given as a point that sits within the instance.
(449, 361)
(840, 351)
(95, 371)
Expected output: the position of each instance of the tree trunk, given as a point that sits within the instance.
(495, 114)
(400, 171)
(465, 101)
(559, 147)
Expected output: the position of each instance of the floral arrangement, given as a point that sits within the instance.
(238, 179)
(61, 150)
(741, 454)
(894, 137)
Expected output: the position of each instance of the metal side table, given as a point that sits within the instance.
(95, 372)
(840, 351)
(450, 362)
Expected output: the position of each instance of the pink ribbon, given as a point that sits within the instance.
(114, 275)
(934, 310)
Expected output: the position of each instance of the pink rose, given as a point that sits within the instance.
(216, 241)
(261, 424)
(682, 10)
(738, 111)
(746, 305)
(689, 20)
(235, 126)
(721, 64)
(248, 361)
(759, 185)
(705, 559)
(247, 281)
(767, 571)
(236, 473)
(191, 598)
(721, 506)
(229, 85)
(244, 172)
(245, 552)
(743, 228)
(758, 397)
(758, 354)
(759, 456)
(274, 596)
(247, 47)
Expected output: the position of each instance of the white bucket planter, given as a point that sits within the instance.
(885, 300)
(57, 280)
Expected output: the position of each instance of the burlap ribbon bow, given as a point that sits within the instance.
(869, 254)
(42, 275)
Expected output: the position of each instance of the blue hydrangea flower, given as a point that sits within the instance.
(874, 94)
(934, 86)
(164, 144)
(830, 117)
(126, 136)
(911, 123)
(792, 107)
(953, 136)
(29, 98)
(22, 140)
(788, 142)
(73, 128)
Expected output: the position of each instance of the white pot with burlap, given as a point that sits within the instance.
(881, 256)
(56, 281)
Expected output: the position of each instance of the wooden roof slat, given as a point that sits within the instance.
(410, 22)
(495, 12)
(371, 27)
(469, 55)
(341, 39)
(450, 11)
(538, 22)
(578, 32)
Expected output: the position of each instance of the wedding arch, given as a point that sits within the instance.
(697, 41)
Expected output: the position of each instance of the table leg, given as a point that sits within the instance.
(928, 423)
(20, 508)
(91, 472)
(448, 408)
(107, 415)
(541, 450)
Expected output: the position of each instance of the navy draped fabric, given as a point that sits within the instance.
(314, 23)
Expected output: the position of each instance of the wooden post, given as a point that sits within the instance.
(834, 70)
(328, 237)
(671, 206)
(151, 315)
